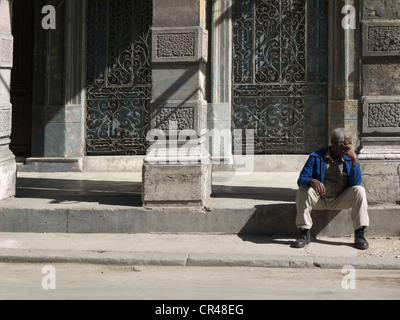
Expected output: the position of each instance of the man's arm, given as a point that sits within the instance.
(355, 176)
(353, 156)
(318, 186)
(307, 180)
(306, 173)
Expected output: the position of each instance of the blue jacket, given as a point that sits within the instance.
(316, 165)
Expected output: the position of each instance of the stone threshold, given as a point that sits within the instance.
(259, 163)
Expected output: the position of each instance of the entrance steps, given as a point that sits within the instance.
(110, 202)
(261, 163)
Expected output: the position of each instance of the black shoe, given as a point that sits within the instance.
(303, 240)
(359, 239)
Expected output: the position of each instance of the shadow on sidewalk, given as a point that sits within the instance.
(254, 193)
(289, 241)
(120, 193)
(333, 242)
(263, 239)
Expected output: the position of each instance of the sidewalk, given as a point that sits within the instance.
(208, 250)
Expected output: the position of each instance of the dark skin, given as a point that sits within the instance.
(341, 149)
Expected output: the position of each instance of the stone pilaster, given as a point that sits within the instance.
(48, 110)
(172, 177)
(75, 78)
(220, 115)
(344, 48)
(380, 155)
(8, 167)
(59, 82)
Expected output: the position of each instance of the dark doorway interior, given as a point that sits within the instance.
(21, 77)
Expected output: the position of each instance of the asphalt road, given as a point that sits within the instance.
(100, 282)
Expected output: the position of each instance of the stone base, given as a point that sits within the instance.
(113, 163)
(381, 179)
(176, 185)
(8, 175)
(51, 165)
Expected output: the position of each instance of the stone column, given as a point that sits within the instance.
(380, 155)
(172, 177)
(59, 82)
(8, 166)
(221, 81)
(48, 128)
(344, 70)
(75, 78)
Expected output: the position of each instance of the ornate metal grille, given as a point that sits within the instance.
(280, 73)
(118, 76)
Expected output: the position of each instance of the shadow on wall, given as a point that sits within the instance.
(279, 219)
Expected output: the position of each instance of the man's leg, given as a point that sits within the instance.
(306, 200)
(356, 199)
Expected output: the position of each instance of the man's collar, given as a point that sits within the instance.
(328, 155)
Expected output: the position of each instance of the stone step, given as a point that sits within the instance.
(261, 203)
(260, 163)
(271, 219)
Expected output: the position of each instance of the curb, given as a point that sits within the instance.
(193, 260)
(358, 263)
(242, 260)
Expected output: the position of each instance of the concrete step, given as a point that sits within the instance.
(260, 163)
(101, 202)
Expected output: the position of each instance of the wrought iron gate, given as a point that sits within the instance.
(280, 73)
(118, 83)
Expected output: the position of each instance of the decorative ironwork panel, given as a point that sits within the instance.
(280, 73)
(119, 80)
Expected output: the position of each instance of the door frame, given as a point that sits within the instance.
(343, 70)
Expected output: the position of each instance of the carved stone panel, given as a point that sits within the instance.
(175, 119)
(381, 38)
(5, 123)
(381, 115)
(179, 45)
(176, 45)
(6, 51)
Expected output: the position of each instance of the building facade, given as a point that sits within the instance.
(111, 79)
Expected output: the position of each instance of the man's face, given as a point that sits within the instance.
(342, 148)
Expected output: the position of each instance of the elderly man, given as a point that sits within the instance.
(331, 179)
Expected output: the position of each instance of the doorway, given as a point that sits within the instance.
(21, 78)
(280, 73)
(119, 78)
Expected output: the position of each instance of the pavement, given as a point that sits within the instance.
(190, 250)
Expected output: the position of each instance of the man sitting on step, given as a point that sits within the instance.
(331, 180)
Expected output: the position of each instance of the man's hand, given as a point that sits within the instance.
(353, 156)
(318, 186)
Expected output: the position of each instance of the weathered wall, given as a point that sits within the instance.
(7, 159)
(380, 156)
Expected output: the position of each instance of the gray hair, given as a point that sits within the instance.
(338, 135)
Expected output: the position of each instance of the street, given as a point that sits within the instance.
(102, 282)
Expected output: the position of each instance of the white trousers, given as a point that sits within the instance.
(354, 197)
